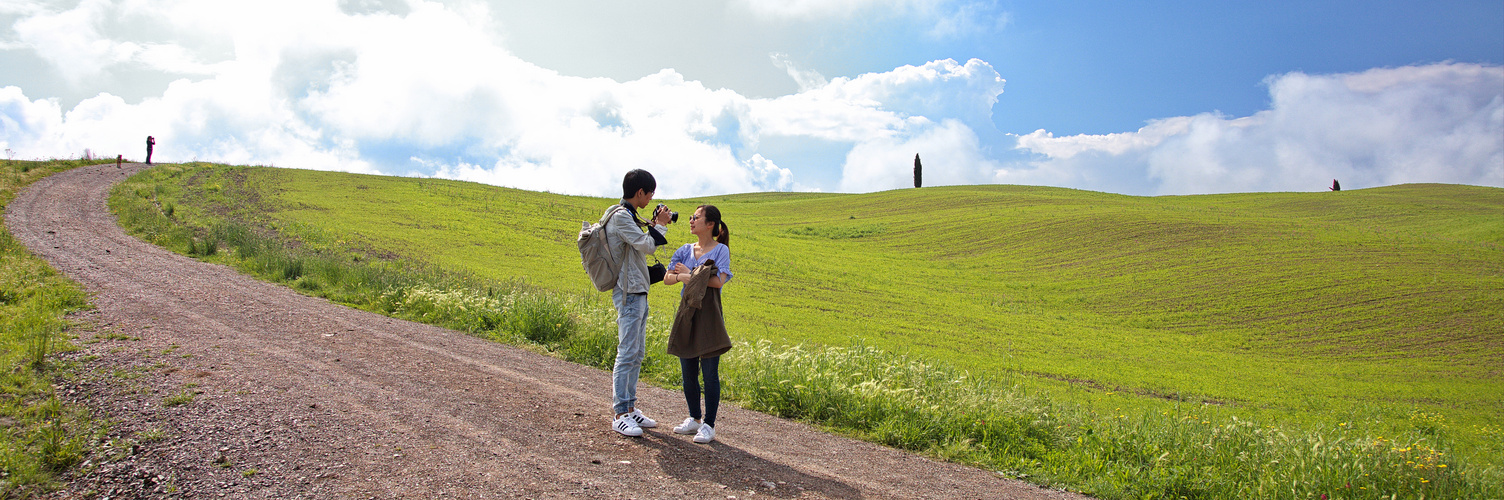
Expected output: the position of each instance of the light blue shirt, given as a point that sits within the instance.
(721, 254)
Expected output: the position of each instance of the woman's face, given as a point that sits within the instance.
(697, 222)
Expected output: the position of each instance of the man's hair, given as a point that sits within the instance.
(635, 180)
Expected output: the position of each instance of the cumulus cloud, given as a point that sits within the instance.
(886, 118)
(889, 163)
(354, 86)
(426, 93)
(884, 105)
(423, 88)
(807, 79)
(1433, 123)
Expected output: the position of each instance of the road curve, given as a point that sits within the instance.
(302, 398)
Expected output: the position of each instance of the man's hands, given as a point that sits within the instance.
(661, 216)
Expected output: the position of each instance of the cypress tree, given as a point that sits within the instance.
(917, 172)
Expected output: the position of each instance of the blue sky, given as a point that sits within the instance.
(756, 95)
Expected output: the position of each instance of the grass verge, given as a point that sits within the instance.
(41, 436)
(1077, 440)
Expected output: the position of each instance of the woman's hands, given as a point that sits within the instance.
(679, 274)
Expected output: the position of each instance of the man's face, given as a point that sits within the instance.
(643, 198)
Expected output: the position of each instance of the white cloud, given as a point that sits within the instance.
(887, 119)
(949, 152)
(70, 40)
(881, 105)
(433, 92)
(27, 122)
(314, 91)
(1063, 148)
(1433, 123)
(807, 79)
(969, 19)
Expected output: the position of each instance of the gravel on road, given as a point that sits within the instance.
(220, 385)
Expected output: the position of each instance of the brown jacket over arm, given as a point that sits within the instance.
(699, 330)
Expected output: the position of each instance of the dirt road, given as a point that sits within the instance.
(295, 397)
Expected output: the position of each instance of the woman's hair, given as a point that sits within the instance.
(721, 233)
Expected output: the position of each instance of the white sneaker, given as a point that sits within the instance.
(627, 425)
(642, 420)
(689, 426)
(705, 435)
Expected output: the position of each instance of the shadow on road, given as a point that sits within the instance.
(728, 465)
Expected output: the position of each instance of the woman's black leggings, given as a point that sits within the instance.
(691, 369)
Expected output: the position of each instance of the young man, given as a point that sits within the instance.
(630, 246)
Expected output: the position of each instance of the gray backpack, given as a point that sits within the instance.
(595, 253)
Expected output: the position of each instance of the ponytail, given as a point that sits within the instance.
(722, 234)
(720, 231)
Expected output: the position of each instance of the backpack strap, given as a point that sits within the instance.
(606, 223)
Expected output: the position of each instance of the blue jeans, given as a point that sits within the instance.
(631, 335)
(690, 369)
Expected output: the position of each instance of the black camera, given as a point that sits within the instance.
(672, 215)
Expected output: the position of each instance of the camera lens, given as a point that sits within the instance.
(672, 216)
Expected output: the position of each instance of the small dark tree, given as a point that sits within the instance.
(918, 170)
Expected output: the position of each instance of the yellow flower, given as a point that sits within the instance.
(1425, 480)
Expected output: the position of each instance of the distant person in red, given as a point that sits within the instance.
(150, 143)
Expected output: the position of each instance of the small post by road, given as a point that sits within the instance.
(118, 159)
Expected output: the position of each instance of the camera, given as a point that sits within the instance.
(672, 215)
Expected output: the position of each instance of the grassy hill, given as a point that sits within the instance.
(41, 436)
(1383, 306)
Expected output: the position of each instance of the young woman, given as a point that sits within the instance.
(699, 337)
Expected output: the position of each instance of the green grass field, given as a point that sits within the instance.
(41, 436)
(1358, 317)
